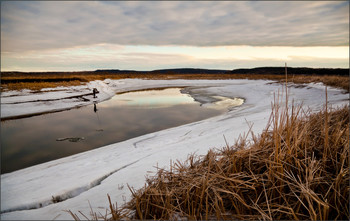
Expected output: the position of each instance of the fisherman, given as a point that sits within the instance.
(95, 91)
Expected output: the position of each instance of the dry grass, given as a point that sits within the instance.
(333, 81)
(298, 168)
(329, 80)
(39, 81)
(37, 86)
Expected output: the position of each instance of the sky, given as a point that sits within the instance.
(150, 35)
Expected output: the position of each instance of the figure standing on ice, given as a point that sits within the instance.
(95, 91)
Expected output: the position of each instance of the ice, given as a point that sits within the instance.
(44, 191)
(225, 103)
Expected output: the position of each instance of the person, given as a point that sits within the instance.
(94, 91)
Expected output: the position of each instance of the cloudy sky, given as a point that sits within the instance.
(71, 36)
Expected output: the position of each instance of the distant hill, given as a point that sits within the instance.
(196, 71)
(117, 71)
(259, 70)
(189, 71)
(293, 71)
(166, 71)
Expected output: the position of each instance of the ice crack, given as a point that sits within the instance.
(70, 194)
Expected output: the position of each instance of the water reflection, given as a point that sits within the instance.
(29, 141)
(95, 108)
(150, 99)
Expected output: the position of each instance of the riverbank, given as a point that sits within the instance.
(335, 77)
(45, 191)
(297, 169)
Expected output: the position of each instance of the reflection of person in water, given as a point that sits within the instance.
(99, 123)
(95, 108)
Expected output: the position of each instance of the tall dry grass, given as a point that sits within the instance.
(297, 169)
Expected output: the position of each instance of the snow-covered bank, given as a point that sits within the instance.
(26, 102)
(89, 176)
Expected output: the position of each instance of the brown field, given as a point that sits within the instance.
(39, 81)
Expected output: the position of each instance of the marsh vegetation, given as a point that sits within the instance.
(38, 80)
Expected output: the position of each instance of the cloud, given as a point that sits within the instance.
(40, 25)
(110, 56)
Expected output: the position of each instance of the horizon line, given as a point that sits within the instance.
(163, 69)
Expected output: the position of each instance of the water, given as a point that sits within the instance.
(30, 141)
